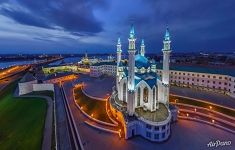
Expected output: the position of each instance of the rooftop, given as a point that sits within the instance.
(27, 78)
(149, 78)
(201, 69)
(159, 115)
(105, 63)
(141, 61)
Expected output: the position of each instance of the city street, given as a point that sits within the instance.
(8, 78)
(63, 135)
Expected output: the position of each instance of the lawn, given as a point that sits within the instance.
(22, 121)
(51, 95)
(92, 106)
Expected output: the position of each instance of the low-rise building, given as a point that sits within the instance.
(210, 80)
(204, 78)
(65, 68)
(98, 69)
(29, 83)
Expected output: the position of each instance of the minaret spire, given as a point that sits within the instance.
(132, 38)
(142, 47)
(119, 51)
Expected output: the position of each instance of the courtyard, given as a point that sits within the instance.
(185, 134)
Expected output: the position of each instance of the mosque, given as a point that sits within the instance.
(140, 99)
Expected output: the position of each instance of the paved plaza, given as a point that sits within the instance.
(216, 98)
(185, 135)
(98, 87)
(101, 87)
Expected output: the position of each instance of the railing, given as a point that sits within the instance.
(168, 119)
(77, 143)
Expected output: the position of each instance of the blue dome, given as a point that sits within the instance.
(141, 61)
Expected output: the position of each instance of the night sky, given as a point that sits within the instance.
(74, 26)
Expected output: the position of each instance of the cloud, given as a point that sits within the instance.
(70, 15)
(194, 25)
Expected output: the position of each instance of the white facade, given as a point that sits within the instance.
(142, 94)
(99, 69)
(154, 132)
(206, 81)
(142, 87)
(26, 87)
(166, 68)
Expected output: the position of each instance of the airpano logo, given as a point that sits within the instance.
(219, 143)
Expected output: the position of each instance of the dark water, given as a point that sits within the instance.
(13, 63)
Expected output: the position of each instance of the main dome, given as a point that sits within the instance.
(141, 61)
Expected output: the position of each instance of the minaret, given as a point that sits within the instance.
(86, 57)
(119, 54)
(131, 72)
(166, 61)
(131, 59)
(119, 51)
(142, 48)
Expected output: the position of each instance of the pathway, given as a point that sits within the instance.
(204, 95)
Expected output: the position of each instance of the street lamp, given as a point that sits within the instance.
(187, 114)
(119, 133)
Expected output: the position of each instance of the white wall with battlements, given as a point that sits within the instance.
(43, 87)
(26, 87)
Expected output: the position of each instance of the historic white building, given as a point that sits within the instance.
(98, 69)
(141, 98)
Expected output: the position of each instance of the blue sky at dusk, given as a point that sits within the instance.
(73, 26)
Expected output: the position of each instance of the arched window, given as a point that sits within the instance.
(138, 97)
(154, 98)
(124, 92)
(145, 96)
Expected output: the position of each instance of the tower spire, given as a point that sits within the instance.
(132, 32)
(119, 51)
(119, 41)
(142, 48)
(167, 34)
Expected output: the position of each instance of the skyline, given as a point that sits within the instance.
(76, 26)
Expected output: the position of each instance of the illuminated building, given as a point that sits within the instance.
(141, 97)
